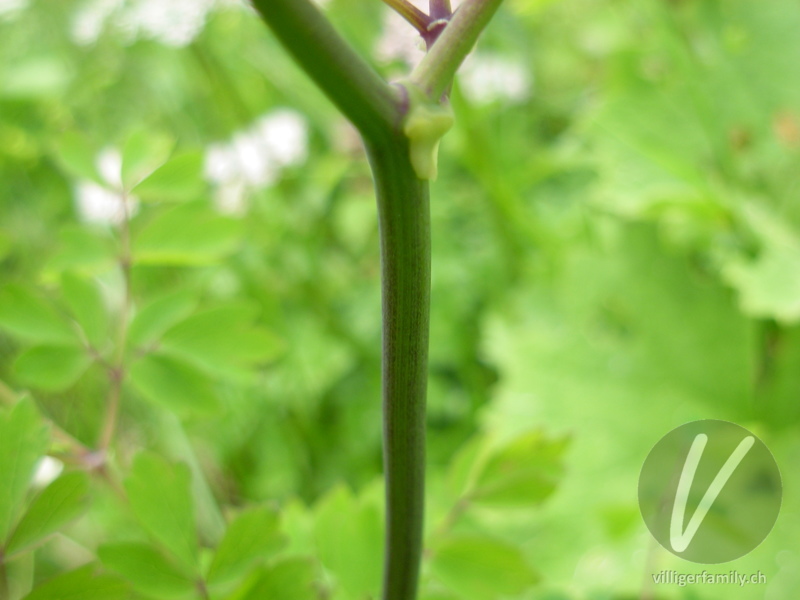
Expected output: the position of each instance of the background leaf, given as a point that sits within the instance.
(161, 500)
(26, 315)
(85, 300)
(23, 441)
(178, 180)
(173, 384)
(147, 570)
(357, 566)
(82, 584)
(290, 579)
(221, 340)
(77, 156)
(51, 368)
(186, 235)
(482, 568)
(142, 153)
(152, 320)
(252, 536)
(59, 503)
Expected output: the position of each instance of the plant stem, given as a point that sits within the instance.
(440, 9)
(404, 217)
(377, 111)
(410, 13)
(116, 371)
(371, 104)
(435, 72)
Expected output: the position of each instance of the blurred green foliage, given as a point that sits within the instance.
(616, 251)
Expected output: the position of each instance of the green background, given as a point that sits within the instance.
(616, 251)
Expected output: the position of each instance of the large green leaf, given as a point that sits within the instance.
(23, 440)
(189, 234)
(289, 579)
(160, 497)
(173, 384)
(58, 504)
(51, 368)
(148, 571)
(155, 318)
(179, 179)
(27, 315)
(253, 536)
(82, 584)
(480, 568)
(84, 299)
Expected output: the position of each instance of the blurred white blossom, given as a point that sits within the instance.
(47, 470)
(399, 41)
(10, 8)
(90, 20)
(255, 157)
(104, 204)
(170, 22)
(485, 78)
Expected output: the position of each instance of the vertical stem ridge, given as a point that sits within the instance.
(404, 218)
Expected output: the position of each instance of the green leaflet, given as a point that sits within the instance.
(482, 568)
(27, 315)
(51, 368)
(173, 384)
(357, 564)
(161, 500)
(82, 584)
(58, 504)
(289, 579)
(23, 441)
(177, 180)
(252, 536)
(147, 569)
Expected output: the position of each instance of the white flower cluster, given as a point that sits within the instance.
(171, 22)
(11, 8)
(486, 78)
(255, 157)
(105, 204)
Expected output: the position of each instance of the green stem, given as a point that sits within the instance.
(377, 110)
(117, 370)
(371, 104)
(435, 72)
(404, 217)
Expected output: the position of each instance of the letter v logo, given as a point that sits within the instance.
(678, 538)
(710, 491)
